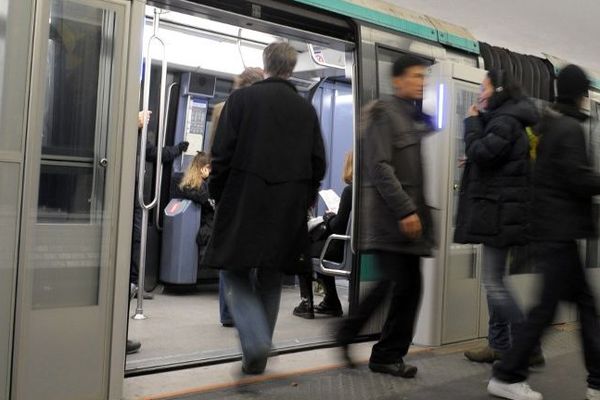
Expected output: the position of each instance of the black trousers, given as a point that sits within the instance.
(135, 245)
(400, 273)
(564, 279)
(331, 295)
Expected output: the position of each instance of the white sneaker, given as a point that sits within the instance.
(512, 391)
(592, 394)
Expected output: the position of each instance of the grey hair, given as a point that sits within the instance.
(280, 59)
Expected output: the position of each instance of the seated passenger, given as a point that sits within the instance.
(335, 224)
(193, 186)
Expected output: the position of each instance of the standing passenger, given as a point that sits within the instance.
(268, 160)
(246, 78)
(395, 225)
(564, 183)
(494, 200)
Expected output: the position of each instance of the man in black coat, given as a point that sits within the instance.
(395, 224)
(564, 183)
(268, 160)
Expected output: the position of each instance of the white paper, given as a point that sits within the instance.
(314, 222)
(331, 199)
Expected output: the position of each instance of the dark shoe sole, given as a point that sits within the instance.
(408, 372)
(332, 313)
(304, 315)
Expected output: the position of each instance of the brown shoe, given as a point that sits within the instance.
(483, 355)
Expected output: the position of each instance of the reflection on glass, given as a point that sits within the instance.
(464, 99)
(593, 245)
(72, 201)
(73, 70)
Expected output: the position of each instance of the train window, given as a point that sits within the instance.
(593, 245)
(69, 141)
(67, 249)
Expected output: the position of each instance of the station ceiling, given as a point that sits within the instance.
(566, 29)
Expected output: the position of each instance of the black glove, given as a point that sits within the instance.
(183, 146)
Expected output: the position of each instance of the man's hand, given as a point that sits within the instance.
(411, 226)
(143, 117)
(183, 146)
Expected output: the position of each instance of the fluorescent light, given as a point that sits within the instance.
(440, 110)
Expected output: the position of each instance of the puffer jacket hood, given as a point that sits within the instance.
(522, 109)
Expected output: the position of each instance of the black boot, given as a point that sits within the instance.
(133, 346)
(304, 310)
(325, 307)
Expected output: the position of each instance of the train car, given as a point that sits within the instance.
(76, 73)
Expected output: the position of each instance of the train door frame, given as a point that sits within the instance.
(592, 265)
(226, 16)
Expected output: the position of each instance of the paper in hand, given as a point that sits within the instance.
(331, 199)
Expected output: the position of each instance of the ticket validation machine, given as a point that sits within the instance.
(195, 92)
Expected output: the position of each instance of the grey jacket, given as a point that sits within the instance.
(392, 178)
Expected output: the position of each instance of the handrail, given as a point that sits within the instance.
(139, 311)
(331, 271)
(163, 134)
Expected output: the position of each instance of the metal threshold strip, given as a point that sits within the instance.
(205, 362)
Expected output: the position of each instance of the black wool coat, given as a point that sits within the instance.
(268, 160)
(564, 180)
(494, 193)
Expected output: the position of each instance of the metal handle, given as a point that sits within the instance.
(164, 134)
(331, 271)
(139, 311)
(103, 162)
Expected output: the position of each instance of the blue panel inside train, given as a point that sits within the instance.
(179, 257)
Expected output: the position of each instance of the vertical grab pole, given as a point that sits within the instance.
(163, 134)
(139, 311)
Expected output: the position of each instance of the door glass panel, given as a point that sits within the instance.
(593, 245)
(71, 189)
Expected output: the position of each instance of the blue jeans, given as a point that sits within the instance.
(505, 315)
(253, 298)
(224, 314)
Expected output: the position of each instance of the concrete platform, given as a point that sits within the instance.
(443, 374)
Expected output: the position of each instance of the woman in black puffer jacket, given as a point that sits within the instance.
(494, 197)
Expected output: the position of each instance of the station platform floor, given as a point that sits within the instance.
(444, 374)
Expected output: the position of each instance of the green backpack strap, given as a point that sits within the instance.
(533, 142)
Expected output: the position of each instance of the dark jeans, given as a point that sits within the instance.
(331, 295)
(224, 314)
(402, 274)
(564, 279)
(135, 245)
(253, 298)
(505, 316)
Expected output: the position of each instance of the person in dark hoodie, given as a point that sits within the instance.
(563, 185)
(493, 200)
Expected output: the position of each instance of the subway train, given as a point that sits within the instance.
(68, 158)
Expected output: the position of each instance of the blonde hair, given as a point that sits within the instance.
(249, 76)
(348, 167)
(193, 175)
